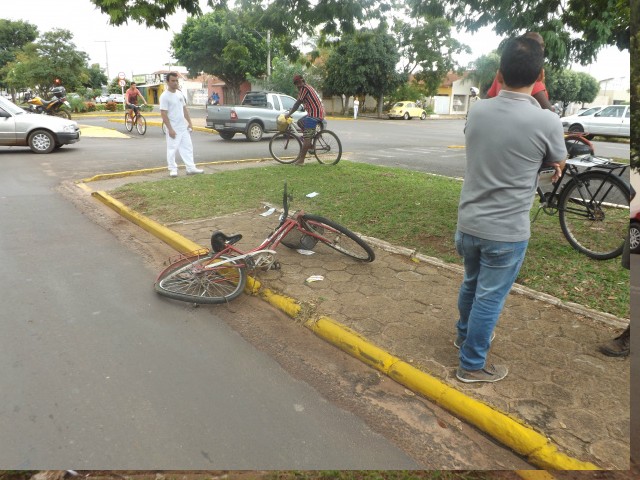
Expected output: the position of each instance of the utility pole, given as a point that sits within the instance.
(106, 55)
(268, 53)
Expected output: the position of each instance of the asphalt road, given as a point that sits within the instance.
(433, 146)
(97, 373)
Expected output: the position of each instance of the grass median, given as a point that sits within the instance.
(405, 208)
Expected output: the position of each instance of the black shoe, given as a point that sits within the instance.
(619, 346)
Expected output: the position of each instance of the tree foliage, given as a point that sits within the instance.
(220, 43)
(574, 30)
(14, 35)
(53, 56)
(151, 13)
(483, 71)
(364, 63)
(567, 86)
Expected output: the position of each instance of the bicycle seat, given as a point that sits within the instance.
(219, 240)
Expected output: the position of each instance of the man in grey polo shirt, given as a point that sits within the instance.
(508, 139)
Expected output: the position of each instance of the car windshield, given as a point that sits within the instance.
(399, 104)
(590, 111)
(10, 107)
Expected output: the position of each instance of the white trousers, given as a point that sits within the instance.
(355, 112)
(182, 145)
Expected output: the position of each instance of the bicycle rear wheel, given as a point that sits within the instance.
(337, 237)
(203, 280)
(285, 147)
(141, 125)
(128, 122)
(594, 214)
(327, 147)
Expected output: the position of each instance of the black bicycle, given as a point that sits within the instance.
(134, 117)
(591, 199)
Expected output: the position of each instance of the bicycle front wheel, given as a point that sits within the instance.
(337, 237)
(285, 147)
(327, 147)
(128, 122)
(203, 280)
(594, 214)
(141, 125)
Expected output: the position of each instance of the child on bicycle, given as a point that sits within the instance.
(315, 114)
(131, 97)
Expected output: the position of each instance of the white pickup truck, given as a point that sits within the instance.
(257, 115)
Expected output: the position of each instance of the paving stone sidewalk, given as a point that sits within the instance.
(558, 382)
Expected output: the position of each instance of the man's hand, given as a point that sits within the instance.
(559, 167)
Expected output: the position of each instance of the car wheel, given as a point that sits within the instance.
(423, 116)
(406, 115)
(42, 141)
(254, 132)
(576, 128)
(634, 237)
(227, 135)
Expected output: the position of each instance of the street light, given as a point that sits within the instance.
(106, 55)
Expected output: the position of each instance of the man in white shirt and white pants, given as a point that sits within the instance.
(356, 106)
(175, 116)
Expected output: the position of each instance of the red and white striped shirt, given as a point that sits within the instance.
(311, 101)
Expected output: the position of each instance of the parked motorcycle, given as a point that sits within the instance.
(58, 106)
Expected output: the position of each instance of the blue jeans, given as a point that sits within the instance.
(490, 268)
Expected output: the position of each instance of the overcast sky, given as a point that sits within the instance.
(135, 49)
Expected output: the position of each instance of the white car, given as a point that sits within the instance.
(102, 98)
(610, 121)
(116, 97)
(41, 133)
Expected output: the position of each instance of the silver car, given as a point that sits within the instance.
(41, 133)
(610, 121)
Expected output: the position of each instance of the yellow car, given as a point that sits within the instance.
(407, 110)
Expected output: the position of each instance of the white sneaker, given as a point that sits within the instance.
(195, 171)
(173, 174)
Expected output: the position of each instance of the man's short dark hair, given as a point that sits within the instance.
(521, 62)
(171, 74)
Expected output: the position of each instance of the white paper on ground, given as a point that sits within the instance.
(314, 278)
(312, 194)
(302, 251)
(268, 212)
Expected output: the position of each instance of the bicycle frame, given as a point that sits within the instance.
(548, 200)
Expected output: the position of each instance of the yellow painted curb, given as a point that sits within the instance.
(129, 173)
(508, 430)
(165, 234)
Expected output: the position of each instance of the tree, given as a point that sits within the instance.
(483, 71)
(152, 13)
(220, 44)
(567, 86)
(97, 77)
(573, 30)
(13, 37)
(53, 56)
(364, 63)
(426, 49)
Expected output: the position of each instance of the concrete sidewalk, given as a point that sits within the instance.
(558, 386)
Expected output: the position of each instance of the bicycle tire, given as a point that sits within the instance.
(128, 122)
(337, 237)
(189, 281)
(327, 147)
(594, 214)
(141, 125)
(285, 147)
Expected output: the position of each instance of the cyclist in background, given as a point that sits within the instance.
(131, 97)
(315, 114)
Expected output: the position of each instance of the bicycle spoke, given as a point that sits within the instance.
(594, 215)
(327, 147)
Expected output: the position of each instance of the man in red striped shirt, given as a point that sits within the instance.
(315, 114)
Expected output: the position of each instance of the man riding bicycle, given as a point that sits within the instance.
(315, 114)
(131, 98)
